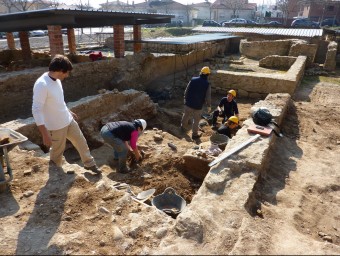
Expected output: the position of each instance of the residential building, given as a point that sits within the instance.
(228, 9)
(203, 10)
(318, 11)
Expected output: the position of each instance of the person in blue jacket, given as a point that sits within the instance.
(197, 93)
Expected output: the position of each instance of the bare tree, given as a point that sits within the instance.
(8, 4)
(25, 5)
(287, 7)
(234, 5)
(82, 5)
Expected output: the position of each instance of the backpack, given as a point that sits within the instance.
(263, 117)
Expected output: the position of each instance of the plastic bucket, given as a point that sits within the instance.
(169, 202)
(219, 139)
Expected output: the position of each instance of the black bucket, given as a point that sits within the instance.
(169, 202)
(219, 139)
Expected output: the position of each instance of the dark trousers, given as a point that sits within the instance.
(215, 115)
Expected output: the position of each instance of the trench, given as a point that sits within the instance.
(167, 169)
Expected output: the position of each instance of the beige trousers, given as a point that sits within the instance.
(191, 114)
(73, 133)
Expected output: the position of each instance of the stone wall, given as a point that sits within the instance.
(308, 50)
(132, 72)
(277, 62)
(259, 85)
(95, 111)
(330, 62)
(293, 47)
(260, 49)
(214, 216)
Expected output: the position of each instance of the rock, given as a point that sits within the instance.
(328, 239)
(102, 243)
(117, 233)
(27, 172)
(158, 137)
(102, 91)
(322, 234)
(68, 218)
(102, 185)
(102, 209)
(160, 233)
(28, 193)
(108, 197)
(146, 175)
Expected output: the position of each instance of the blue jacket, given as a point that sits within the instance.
(197, 92)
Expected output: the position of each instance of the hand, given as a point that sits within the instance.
(209, 109)
(47, 140)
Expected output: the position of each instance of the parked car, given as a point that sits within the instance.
(303, 23)
(274, 23)
(235, 21)
(2, 35)
(251, 22)
(210, 23)
(37, 33)
(329, 22)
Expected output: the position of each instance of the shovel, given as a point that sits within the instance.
(142, 196)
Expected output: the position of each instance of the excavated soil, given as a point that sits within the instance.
(48, 210)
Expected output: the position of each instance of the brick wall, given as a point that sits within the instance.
(56, 40)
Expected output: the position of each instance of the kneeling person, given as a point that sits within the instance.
(123, 136)
(228, 126)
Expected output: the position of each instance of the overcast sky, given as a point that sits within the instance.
(95, 3)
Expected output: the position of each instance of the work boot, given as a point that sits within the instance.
(94, 169)
(122, 168)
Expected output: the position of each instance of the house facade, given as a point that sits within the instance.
(319, 11)
(223, 10)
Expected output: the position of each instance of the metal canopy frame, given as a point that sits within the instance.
(75, 18)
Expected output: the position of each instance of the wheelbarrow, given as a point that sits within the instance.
(169, 202)
(9, 140)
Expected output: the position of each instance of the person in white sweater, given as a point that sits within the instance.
(55, 121)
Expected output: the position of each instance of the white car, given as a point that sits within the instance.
(37, 33)
(236, 21)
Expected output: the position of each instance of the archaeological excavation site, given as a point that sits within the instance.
(253, 193)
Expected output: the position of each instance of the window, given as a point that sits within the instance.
(330, 8)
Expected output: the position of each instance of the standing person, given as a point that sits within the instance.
(229, 108)
(55, 121)
(123, 136)
(197, 93)
(228, 126)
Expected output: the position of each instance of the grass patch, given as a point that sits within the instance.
(165, 32)
(329, 79)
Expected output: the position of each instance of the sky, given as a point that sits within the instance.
(95, 3)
